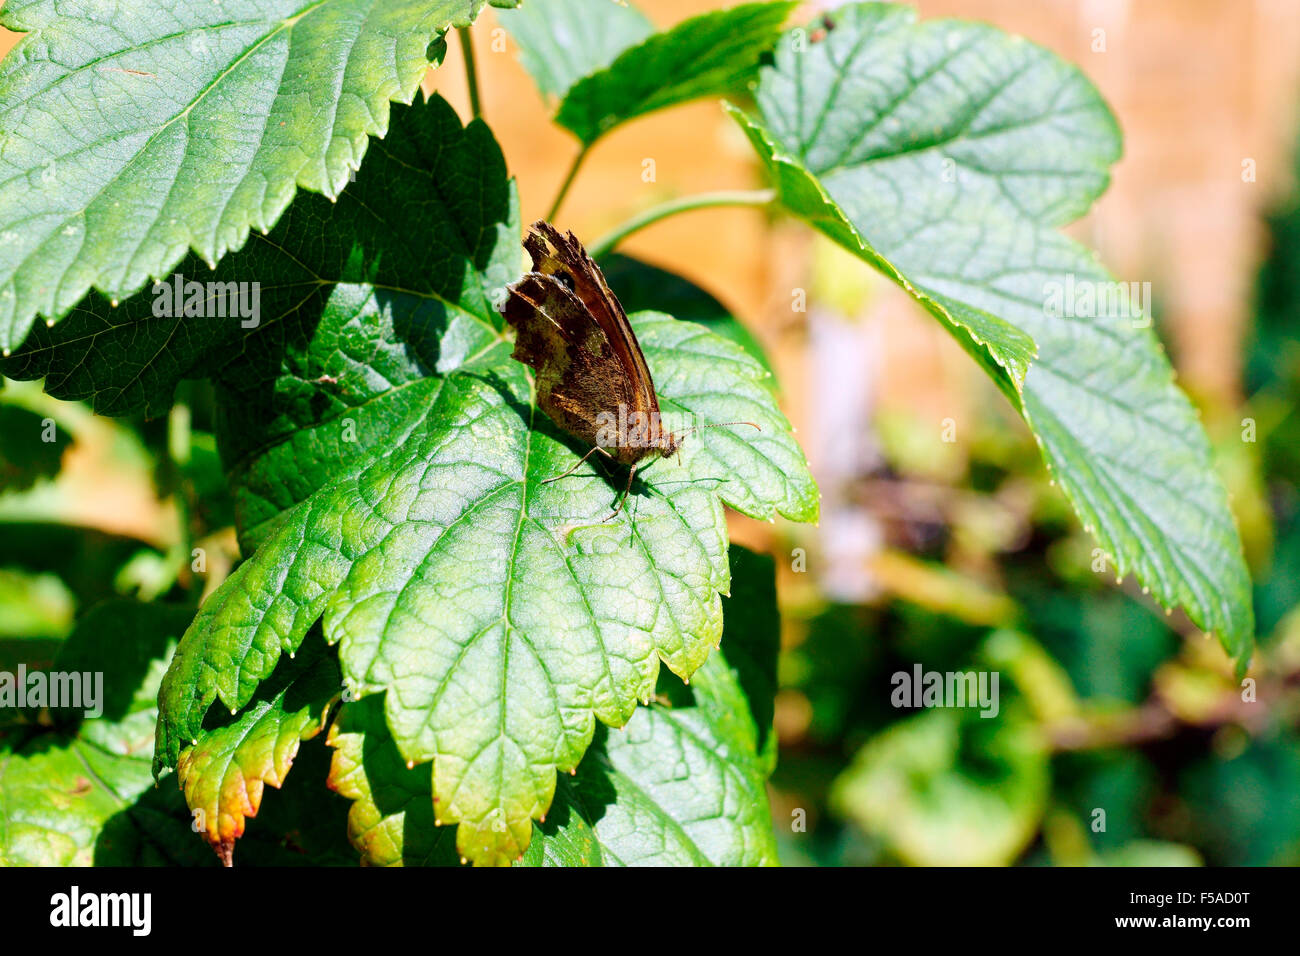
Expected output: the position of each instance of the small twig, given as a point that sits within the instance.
(568, 181)
(471, 71)
(1154, 720)
(732, 197)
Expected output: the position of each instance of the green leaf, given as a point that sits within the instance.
(441, 252)
(682, 783)
(947, 788)
(223, 775)
(391, 820)
(136, 131)
(708, 55)
(1001, 349)
(561, 41)
(946, 154)
(63, 790)
(503, 615)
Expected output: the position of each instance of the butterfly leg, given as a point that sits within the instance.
(594, 449)
(622, 499)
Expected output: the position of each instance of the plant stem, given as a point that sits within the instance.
(728, 197)
(471, 71)
(568, 181)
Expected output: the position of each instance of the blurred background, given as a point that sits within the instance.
(1122, 738)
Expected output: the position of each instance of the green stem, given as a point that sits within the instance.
(730, 197)
(471, 71)
(568, 181)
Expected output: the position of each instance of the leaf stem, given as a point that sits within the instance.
(726, 197)
(471, 71)
(568, 181)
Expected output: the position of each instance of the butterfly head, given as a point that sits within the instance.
(670, 444)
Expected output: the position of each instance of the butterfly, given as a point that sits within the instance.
(591, 376)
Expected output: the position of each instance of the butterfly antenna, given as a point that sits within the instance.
(691, 431)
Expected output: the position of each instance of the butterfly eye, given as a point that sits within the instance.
(564, 279)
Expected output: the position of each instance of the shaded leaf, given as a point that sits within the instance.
(391, 820)
(432, 215)
(139, 130)
(59, 788)
(25, 455)
(643, 287)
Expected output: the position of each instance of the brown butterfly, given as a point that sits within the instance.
(592, 379)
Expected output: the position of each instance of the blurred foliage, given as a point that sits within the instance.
(31, 448)
(1121, 739)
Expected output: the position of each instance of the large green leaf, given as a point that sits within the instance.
(682, 783)
(135, 131)
(1003, 350)
(609, 71)
(946, 153)
(502, 615)
(425, 379)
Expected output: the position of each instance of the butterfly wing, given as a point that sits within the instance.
(577, 373)
(566, 255)
(572, 331)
